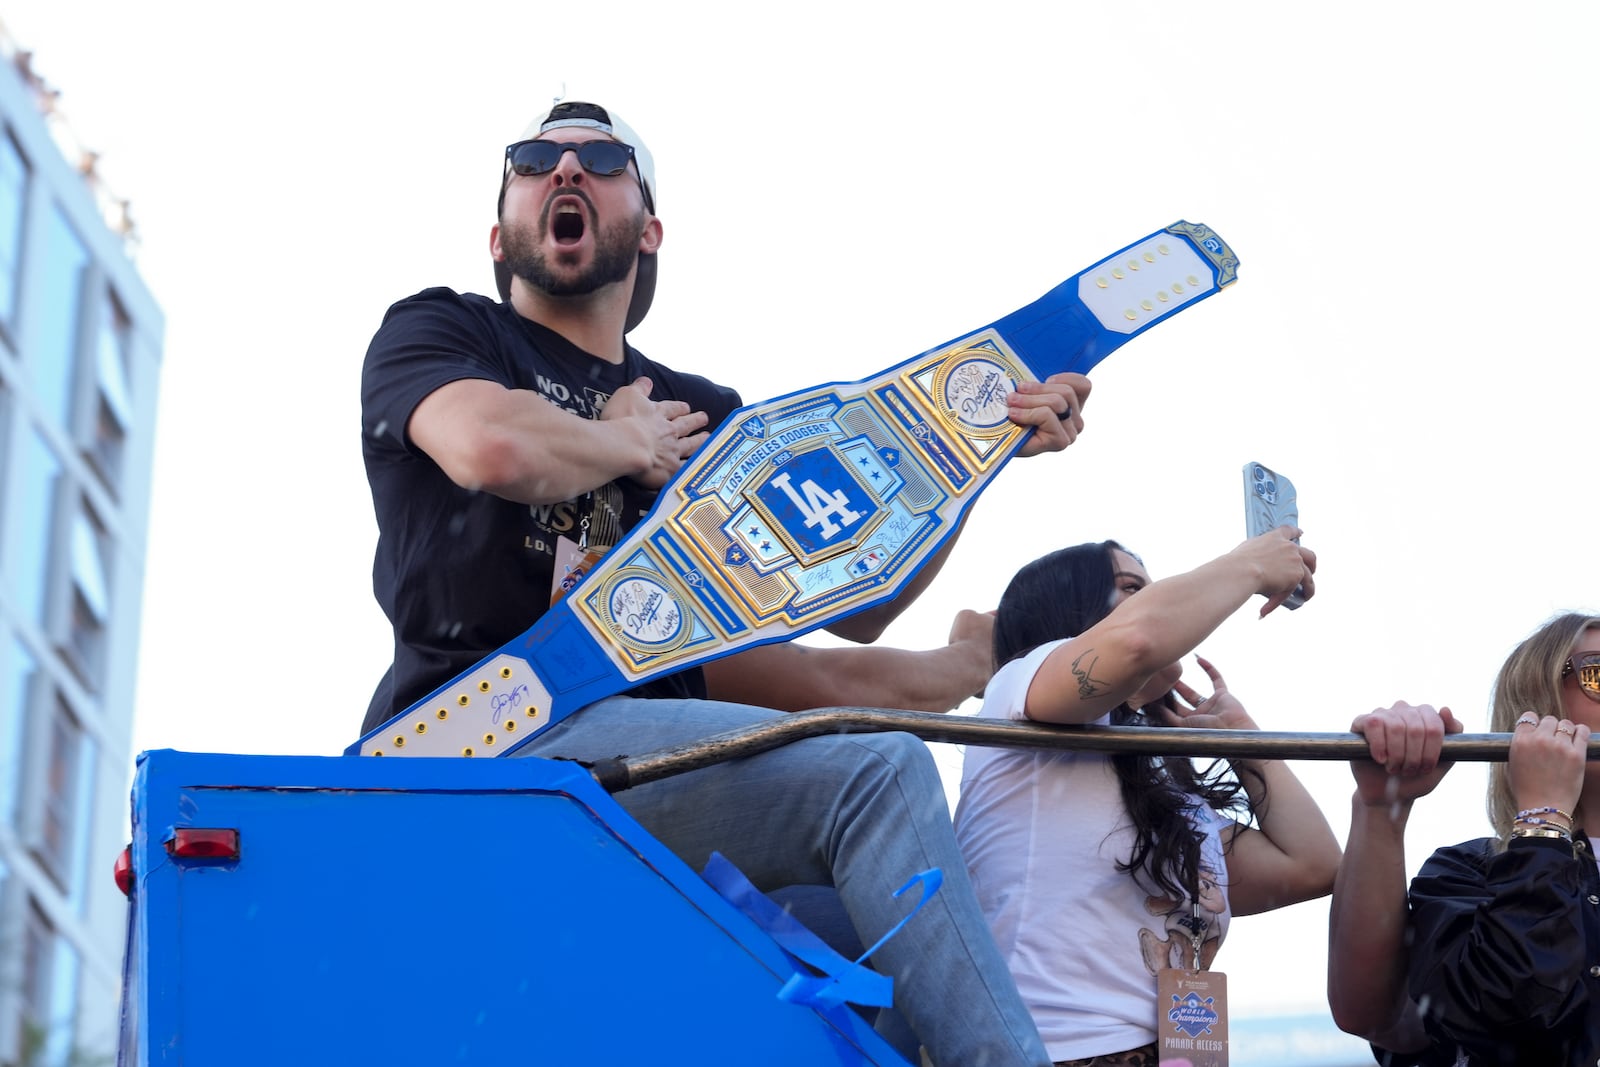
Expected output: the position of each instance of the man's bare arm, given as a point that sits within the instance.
(795, 677)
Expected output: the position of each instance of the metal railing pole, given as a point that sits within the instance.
(624, 772)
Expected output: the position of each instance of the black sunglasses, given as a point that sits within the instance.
(604, 158)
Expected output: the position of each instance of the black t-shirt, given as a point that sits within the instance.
(458, 572)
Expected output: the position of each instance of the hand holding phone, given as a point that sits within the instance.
(1270, 502)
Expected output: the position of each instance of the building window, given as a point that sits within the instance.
(55, 806)
(65, 968)
(17, 673)
(59, 307)
(58, 830)
(113, 409)
(13, 200)
(48, 988)
(32, 503)
(83, 636)
(34, 979)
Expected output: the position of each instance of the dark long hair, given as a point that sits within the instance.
(1061, 595)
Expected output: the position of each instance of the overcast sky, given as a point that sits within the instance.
(1409, 187)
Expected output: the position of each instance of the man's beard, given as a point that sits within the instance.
(616, 249)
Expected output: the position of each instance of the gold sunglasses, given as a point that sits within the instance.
(1586, 665)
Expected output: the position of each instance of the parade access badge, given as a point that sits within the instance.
(574, 560)
(805, 509)
(1192, 1014)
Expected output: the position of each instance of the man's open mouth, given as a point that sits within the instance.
(567, 223)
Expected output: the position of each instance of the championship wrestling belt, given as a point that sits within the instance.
(805, 509)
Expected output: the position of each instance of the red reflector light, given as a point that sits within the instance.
(195, 844)
(123, 871)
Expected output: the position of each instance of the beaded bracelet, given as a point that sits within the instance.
(1567, 815)
(1535, 820)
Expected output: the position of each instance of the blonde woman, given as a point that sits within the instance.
(1497, 959)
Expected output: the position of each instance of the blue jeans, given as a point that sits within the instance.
(860, 812)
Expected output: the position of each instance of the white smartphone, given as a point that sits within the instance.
(1270, 501)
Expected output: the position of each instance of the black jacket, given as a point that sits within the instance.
(1505, 955)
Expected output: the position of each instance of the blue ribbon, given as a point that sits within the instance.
(841, 980)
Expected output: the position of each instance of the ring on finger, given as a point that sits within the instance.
(1565, 727)
(1528, 719)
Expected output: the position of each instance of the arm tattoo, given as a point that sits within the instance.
(1088, 685)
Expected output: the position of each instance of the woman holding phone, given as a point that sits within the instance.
(1096, 871)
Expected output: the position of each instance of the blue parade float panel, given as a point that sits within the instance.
(439, 911)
